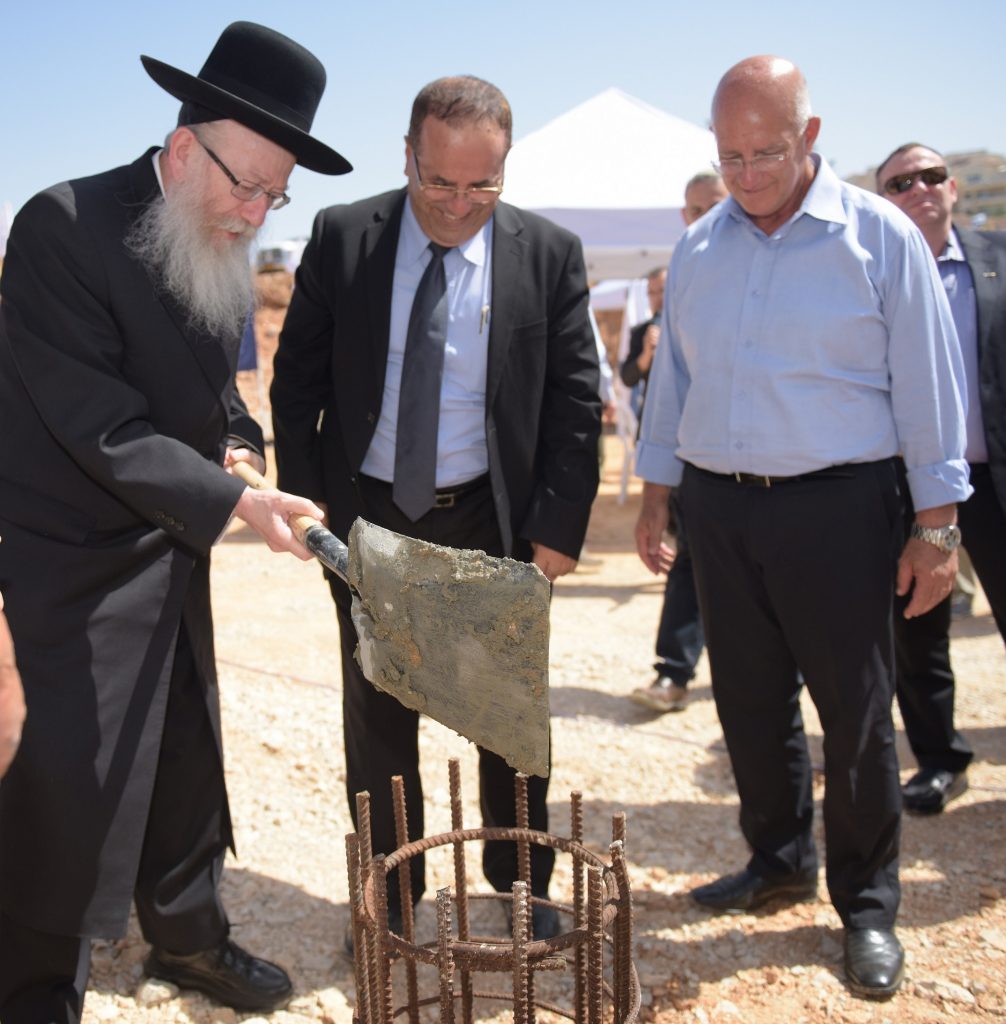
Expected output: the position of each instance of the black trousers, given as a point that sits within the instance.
(924, 677)
(43, 977)
(983, 528)
(679, 635)
(799, 577)
(382, 736)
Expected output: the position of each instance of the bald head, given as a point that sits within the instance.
(765, 134)
(765, 82)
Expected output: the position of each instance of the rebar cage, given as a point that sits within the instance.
(594, 945)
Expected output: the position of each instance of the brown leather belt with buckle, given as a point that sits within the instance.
(448, 497)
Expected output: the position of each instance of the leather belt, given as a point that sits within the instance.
(448, 497)
(763, 480)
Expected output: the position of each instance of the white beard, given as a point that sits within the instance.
(213, 285)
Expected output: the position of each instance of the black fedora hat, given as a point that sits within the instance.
(261, 79)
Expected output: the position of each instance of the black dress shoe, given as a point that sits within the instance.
(929, 790)
(228, 974)
(874, 962)
(734, 894)
(544, 921)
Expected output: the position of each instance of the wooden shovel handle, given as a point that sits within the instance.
(322, 543)
(247, 472)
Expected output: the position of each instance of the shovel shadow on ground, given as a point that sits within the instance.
(269, 918)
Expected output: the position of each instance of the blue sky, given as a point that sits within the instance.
(75, 99)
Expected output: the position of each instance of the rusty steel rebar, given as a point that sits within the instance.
(361, 963)
(382, 961)
(461, 886)
(622, 931)
(363, 830)
(405, 893)
(519, 924)
(600, 916)
(595, 945)
(446, 956)
(579, 908)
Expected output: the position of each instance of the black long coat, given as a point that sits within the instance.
(113, 419)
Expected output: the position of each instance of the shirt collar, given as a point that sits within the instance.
(822, 201)
(824, 197)
(157, 169)
(413, 242)
(953, 250)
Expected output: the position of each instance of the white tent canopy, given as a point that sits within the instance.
(613, 170)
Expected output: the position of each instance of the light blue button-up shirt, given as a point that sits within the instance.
(828, 341)
(461, 435)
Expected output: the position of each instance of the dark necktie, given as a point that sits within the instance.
(415, 483)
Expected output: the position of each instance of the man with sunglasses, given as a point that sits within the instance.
(124, 298)
(972, 266)
(806, 342)
(475, 430)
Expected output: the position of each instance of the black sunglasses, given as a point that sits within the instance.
(901, 183)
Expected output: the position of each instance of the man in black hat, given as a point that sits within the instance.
(124, 295)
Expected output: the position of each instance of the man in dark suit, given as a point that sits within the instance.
(516, 413)
(124, 295)
(973, 268)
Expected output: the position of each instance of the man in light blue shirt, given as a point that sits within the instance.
(808, 342)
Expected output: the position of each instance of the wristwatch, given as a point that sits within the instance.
(946, 538)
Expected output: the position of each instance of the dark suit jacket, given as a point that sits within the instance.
(986, 255)
(114, 418)
(629, 370)
(542, 405)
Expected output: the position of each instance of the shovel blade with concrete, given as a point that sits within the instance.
(458, 635)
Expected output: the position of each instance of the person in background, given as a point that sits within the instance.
(123, 299)
(806, 342)
(679, 634)
(972, 267)
(635, 368)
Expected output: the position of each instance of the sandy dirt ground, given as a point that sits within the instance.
(286, 890)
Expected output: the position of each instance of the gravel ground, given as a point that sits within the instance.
(287, 890)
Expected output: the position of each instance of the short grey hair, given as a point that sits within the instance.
(701, 178)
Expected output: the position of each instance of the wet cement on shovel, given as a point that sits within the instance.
(457, 635)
